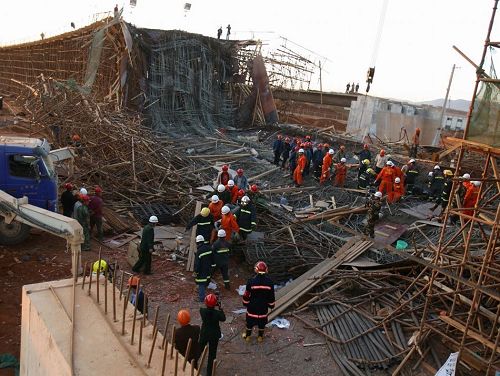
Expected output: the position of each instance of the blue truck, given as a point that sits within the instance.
(26, 169)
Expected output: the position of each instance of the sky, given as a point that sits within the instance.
(414, 54)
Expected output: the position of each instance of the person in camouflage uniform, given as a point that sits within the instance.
(83, 217)
(374, 205)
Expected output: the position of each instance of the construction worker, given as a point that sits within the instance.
(293, 161)
(219, 32)
(363, 155)
(436, 186)
(374, 205)
(224, 175)
(363, 166)
(385, 178)
(68, 200)
(380, 161)
(464, 187)
(398, 191)
(233, 191)
(245, 216)
(215, 207)
(285, 154)
(318, 160)
(221, 250)
(253, 193)
(340, 154)
(326, 166)
(224, 194)
(210, 328)
(445, 194)
(83, 217)
(471, 197)
(228, 223)
(278, 149)
(185, 333)
(366, 178)
(340, 173)
(132, 283)
(240, 179)
(78, 203)
(308, 151)
(204, 223)
(410, 172)
(299, 170)
(398, 173)
(415, 143)
(146, 247)
(202, 266)
(96, 205)
(241, 193)
(258, 299)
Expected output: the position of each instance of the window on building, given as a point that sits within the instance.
(460, 123)
(22, 166)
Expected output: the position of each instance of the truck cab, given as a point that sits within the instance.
(26, 169)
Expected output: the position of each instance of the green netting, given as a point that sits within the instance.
(484, 126)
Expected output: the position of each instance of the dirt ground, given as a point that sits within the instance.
(44, 258)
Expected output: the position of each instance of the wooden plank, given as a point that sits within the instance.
(192, 244)
(259, 176)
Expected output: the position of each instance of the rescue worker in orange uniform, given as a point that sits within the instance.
(215, 207)
(398, 173)
(299, 170)
(340, 173)
(228, 223)
(471, 197)
(325, 168)
(398, 190)
(233, 191)
(464, 187)
(386, 178)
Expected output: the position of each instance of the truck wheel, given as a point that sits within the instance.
(13, 233)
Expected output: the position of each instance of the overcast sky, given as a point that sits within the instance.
(415, 54)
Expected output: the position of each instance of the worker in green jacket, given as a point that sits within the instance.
(210, 328)
(83, 217)
(146, 247)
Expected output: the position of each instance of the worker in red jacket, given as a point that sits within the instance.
(340, 173)
(386, 178)
(398, 190)
(471, 197)
(96, 205)
(258, 299)
(325, 168)
(299, 170)
(224, 175)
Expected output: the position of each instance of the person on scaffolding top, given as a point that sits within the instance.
(228, 32)
(219, 32)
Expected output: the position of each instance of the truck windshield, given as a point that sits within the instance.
(49, 166)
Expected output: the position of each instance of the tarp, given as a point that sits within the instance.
(484, 126)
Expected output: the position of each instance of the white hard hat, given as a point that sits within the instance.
(230, 183)
(412, 161)
(221, 188)
(83, 191)
(476, 183)
(153, 219)
(397, 180)
(388, 163)
(430, 173)
(331, 151)
(200, 239)
(378, 194)
(225, 209)
(343, 160)
(215, 199)
(466, 176)
(436, 167)
(392, 163)
(301, 150)
(245, 199)
(221, 233)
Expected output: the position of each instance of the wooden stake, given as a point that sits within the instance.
(202, 360)
(164, 360)
(121, 284)
(186, 355)
(176, 366)
(135, 310)
(84, 275)
(214, 367)
(125, 303)
(90, 279)
(106, 291)
(155, 333)
(167, 321)
(98, 275)
(172, 342)
(114, 294)
(143, 322)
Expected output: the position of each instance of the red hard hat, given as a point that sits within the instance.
(254, 188)
(297, 148)
(382, 152)
(184, 317)
(320, 146)
(260, 267)
(365, 146)
(309, 144)
(280, 137)
(241, 193)
(225, 167)
(68, 186)
(239, 171)
(84, 198)
(210, 300)
(98, 189)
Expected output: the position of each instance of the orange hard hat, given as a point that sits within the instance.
(326, 146)
(210, 300)
(184, 317)
(382, 152)
(75, 137)
(133, 281)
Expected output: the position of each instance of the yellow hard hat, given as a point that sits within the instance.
(448, 172)
(366, 161)
(104, 266)
(205, 212)
(370, 171)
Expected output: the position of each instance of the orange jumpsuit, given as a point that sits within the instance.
(325, 169)
(215, 209)
(297, 173)
(340, 174)
(399, 174)
(234, 193)
(229, 224)
(470, 199)
(386, 178)
(398, 190)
